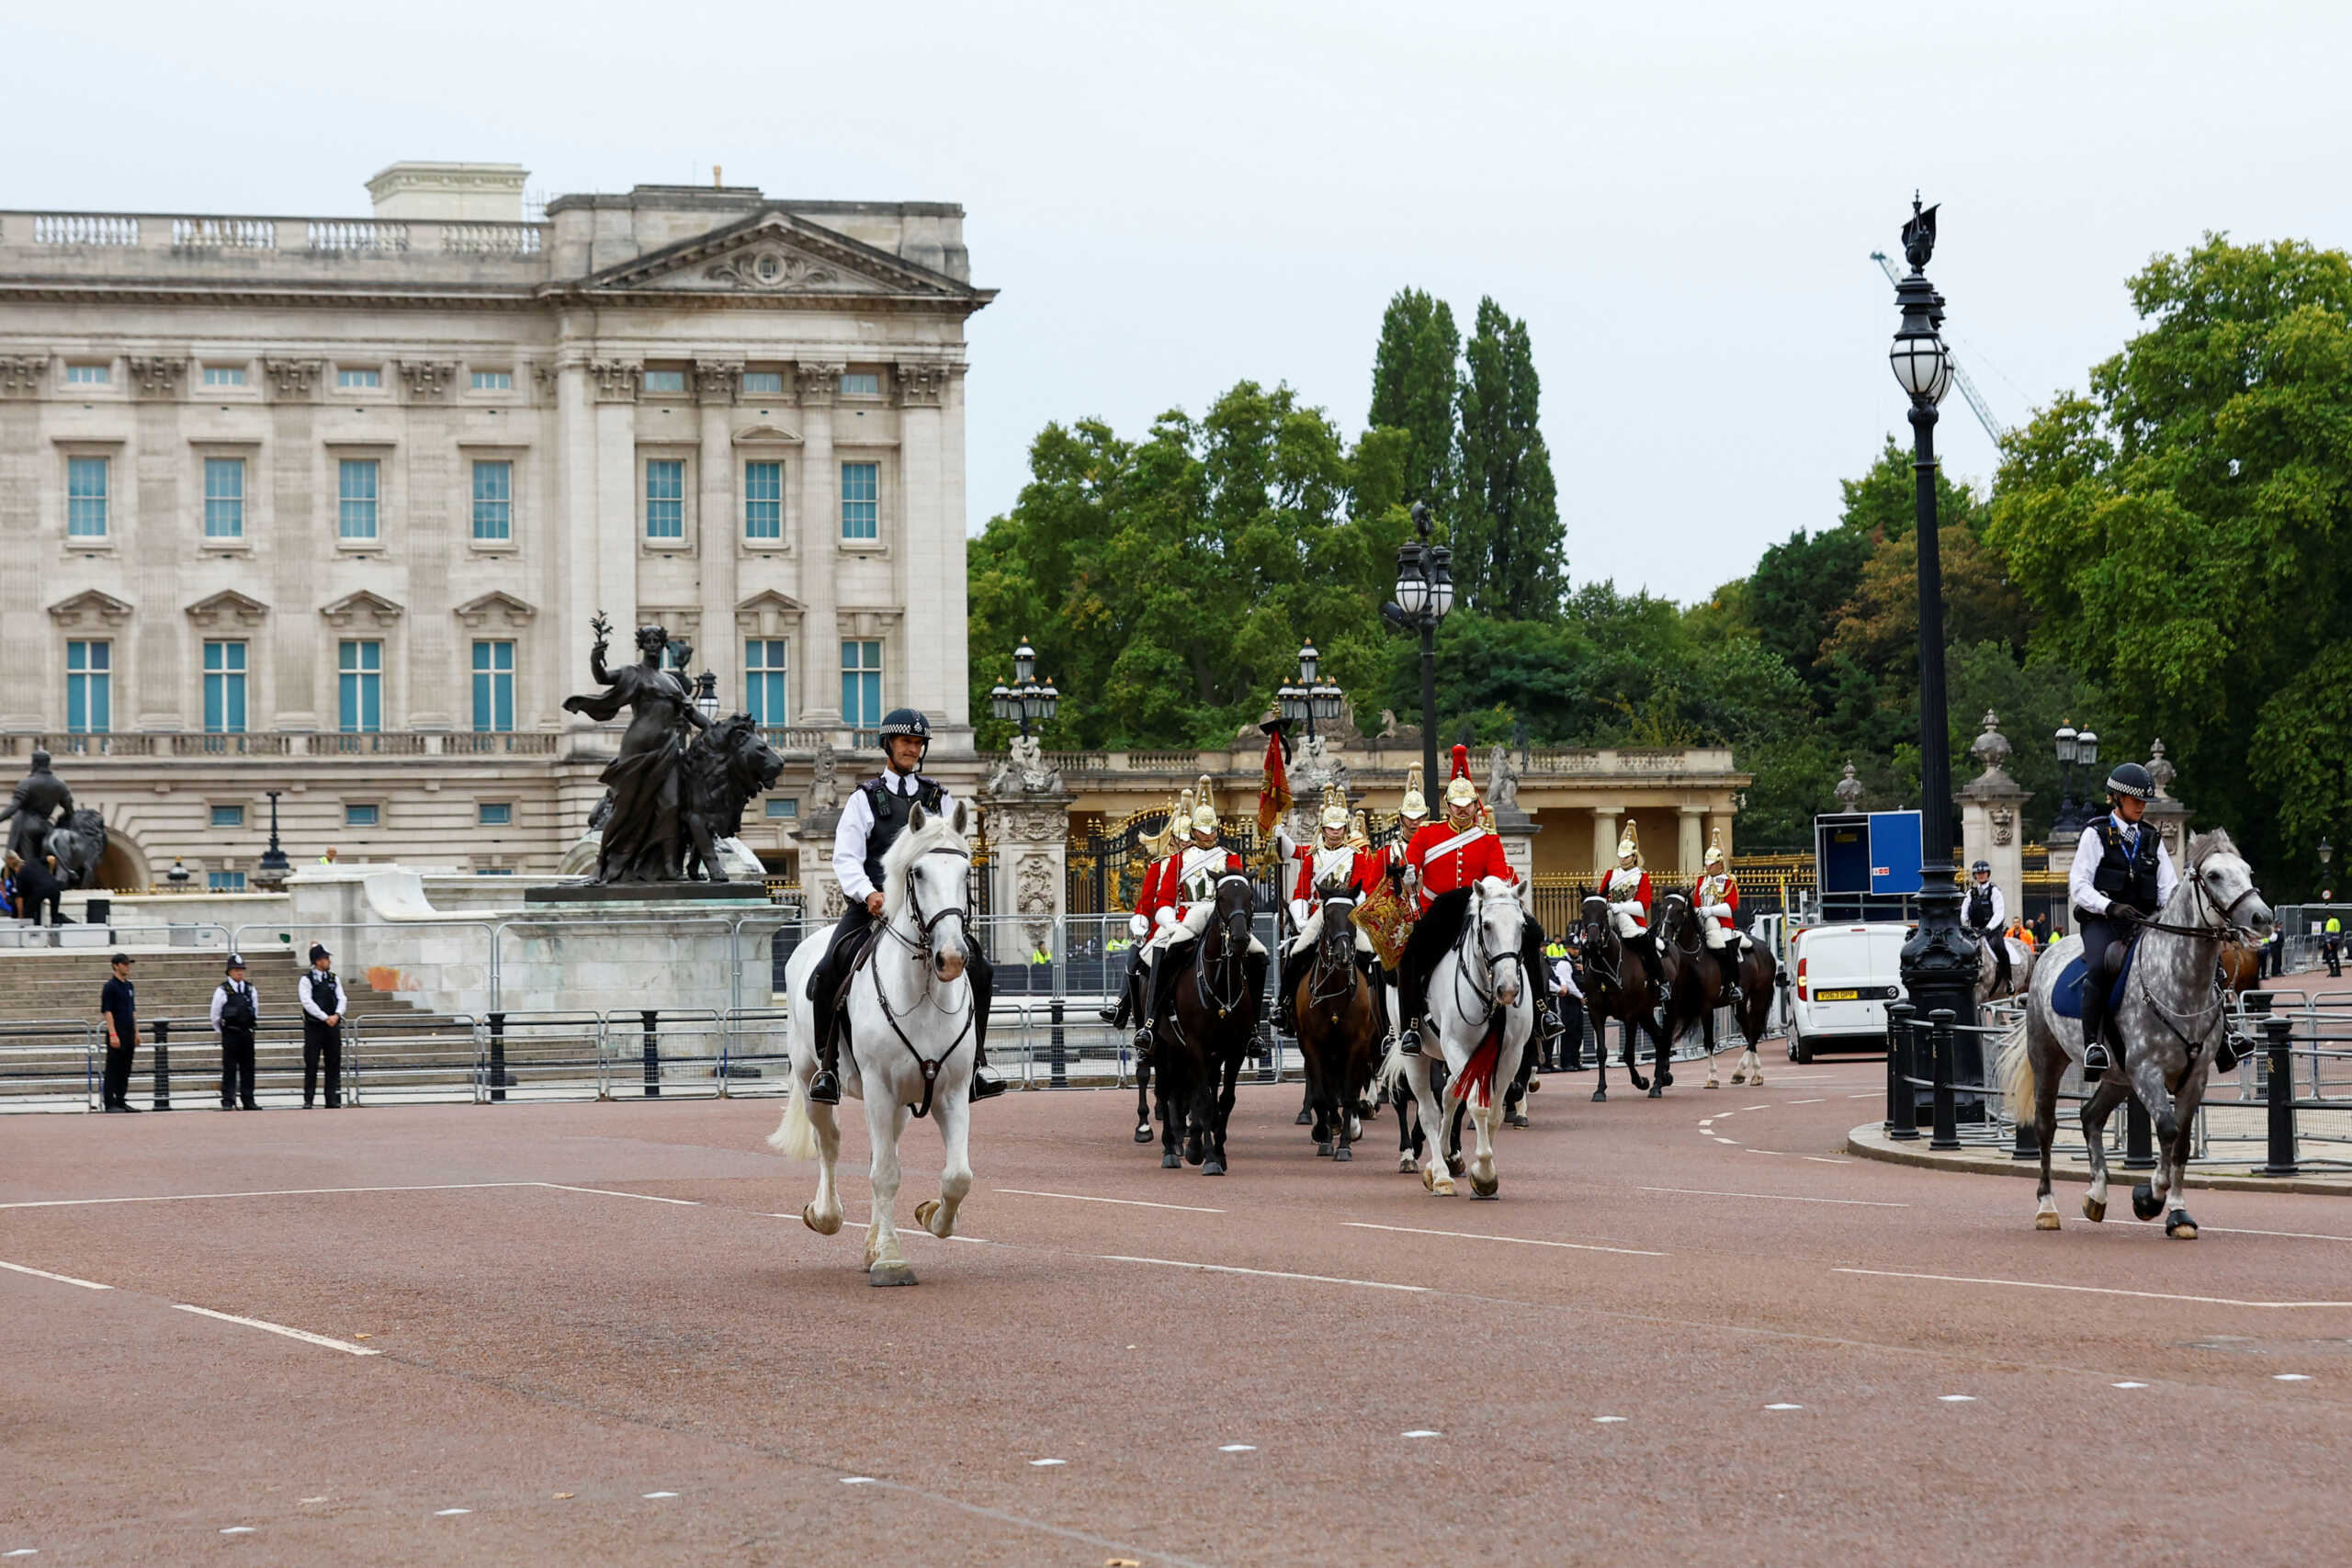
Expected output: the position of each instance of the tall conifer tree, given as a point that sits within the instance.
(1414, 377)
(1510, 559)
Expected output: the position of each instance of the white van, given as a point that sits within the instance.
(1840, 981)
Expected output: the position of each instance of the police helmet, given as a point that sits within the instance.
(2131, 779)
(1982, 868)
(905, 721)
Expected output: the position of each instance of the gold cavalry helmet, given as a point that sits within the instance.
(1335, 809)
(1459, 790)
(1359, 830)
(1414, 809)
(1716, 850)
(1204, 807)
(1629, 845)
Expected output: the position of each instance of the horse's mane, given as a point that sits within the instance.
(2201, 845)
(936, 833)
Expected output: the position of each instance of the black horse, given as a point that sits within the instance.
(1621, 989)
(1207, 997)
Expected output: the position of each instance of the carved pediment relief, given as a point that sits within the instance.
(495, 608)
(767, 614)
(226, 608)
(361, 609)
(775, 253)
(767, 435)
(89, 611)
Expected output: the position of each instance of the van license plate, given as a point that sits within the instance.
(1849, 994)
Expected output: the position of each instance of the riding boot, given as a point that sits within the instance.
(1729, 960)
(1119, 1013)
(825, 1087)
(987, 1082)
(1410, 1001)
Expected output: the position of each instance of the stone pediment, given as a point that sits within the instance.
(228, 608)
(769, 599)
(777, 254)
(90, 608)
(767, 435)
(361, 608)
(495, 606)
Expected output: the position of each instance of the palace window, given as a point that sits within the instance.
(763, 500)
(495, 813)
(494, 381)
(363, 815)
(224, 498)
(89, 375)
(767, 381)
(861, 384)
(493, 500)
(665, 498)
(861, 684)
(347, 375)
(224, 882)
(224, 688)
(360, 686)
(665, 380)
(227, 816)
(764, 681)
(861, 501)
(224, 375)
(494, 686)
(89, 682)
(357, 487)
(85, 498)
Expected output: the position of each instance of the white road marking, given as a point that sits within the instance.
(1957, 1398)
(650, 1495)
(1237, 1449)
(2297, 1235)
(1824, 1100)
(1784, 1408)
(1423, 1432)
(281, 1193)
(857, 1480)
(2084, 1290)
(1861, 1097)
(1124, 1203)
(23, 1551)
(306, 1337)
(1519, 1240)
(61, 1279)
(2127, 1385)
(449, 1513)
(1776, 1197)
(314, 1499)
(2290, 1377)
(1755, 1108)
(1825, 1159)
(238, 1530)
(609, 1192)
(1735, 1142)
(1606, 1420)
(1043, 1463)
(1261, 1273)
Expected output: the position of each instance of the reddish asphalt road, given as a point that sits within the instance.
(1659, 1347)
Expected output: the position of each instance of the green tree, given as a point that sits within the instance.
(2182, 530)
(1414, 373)
(1510, 556)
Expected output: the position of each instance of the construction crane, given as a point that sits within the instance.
(1993, 428)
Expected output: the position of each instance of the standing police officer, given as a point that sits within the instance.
(322, 1007)
(876, 814)
(235, 1016)
(2122, 875)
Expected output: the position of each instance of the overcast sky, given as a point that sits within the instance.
(1681, 200)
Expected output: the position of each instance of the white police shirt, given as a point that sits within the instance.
(857, 824)
(2082, 895)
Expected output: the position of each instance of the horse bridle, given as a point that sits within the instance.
(1317, 993)
(1487, 958)
(1597, 936)
(2223, 929)
(1226, 957)
(1676, 940)
(922, 945)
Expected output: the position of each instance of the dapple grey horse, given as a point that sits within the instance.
(2169, 1019)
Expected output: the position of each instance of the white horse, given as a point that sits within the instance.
(1988, 970)
(2170, 1020)
(1480, 1013)
(908, 1043)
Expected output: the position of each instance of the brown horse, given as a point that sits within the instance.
(1622, 989)
(1699, 988)
(1339, 1028)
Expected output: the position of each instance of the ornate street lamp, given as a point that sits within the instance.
(1028, 700)
(1939, 960)
(707, 696)
(1312, 697)
(1424, 597)
(275, 867)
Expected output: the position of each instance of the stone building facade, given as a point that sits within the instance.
(323, 506)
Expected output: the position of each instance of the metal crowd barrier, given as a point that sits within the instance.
(49, 1064)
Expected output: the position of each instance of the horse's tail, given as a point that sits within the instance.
(1392, 1068)
(796, 1136)
(2018, 1086)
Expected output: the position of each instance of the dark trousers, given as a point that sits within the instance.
(1571, 1053)
(236, 1068)
(825, 979)
(116, 1086)
(2099, 936)
(321, 1047)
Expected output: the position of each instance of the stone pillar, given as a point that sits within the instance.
(934, 602)
(2167, 811)
(617, 527)
(1719, 827)
(437, 689)
(1991, 817)
(24, 631)
(1605, 835)
(571, 563)
(819, 547)
(719, 550)
(1028, 870)
(1517, 830)
(157, 536)
(300, 553)
(1690, 845)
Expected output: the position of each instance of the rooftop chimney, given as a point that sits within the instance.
(466, 193)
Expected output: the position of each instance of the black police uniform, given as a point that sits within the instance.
(240, 1016)
(2126, 876)
(322, 1041)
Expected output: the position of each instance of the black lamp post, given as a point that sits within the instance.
(1028, 700)
(275, 867)
(1939, 960)
(707, 696)
(1424, 595)
(2326, 854)
(1313, 697)
(2077, 750)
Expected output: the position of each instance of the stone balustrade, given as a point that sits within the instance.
(153, 244)
(388, 743)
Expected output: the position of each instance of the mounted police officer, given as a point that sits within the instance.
(2121, 876)
(1987, 914)
(876, 814)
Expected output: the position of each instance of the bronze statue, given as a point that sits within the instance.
(643, 830)
(40, 802)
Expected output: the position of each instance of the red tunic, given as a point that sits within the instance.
(1163, 885)
(1363, 873)
(1701, 896)
(1611, 889)
(1448, 858)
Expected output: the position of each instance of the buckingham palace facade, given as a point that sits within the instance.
(325, 505)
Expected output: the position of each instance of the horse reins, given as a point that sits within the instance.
(921, 945)
(2224, 930)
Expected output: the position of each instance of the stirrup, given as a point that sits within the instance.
(1411, 1041)
(1109, 1015)
(2096, 1060)
(825, 1088)
(987, 1083)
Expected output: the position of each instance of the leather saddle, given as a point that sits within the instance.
(2066, 997)
(853, 952)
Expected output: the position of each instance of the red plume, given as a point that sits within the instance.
(1461, 764)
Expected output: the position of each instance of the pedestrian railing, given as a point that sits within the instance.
(48, 1065)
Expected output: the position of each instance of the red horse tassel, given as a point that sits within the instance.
(1477, 1076)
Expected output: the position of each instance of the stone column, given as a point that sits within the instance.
(24, 629)
(1604, 834)
(719, 551)
(158, 536)
(571, 560)
(1028, 869)
(819, 547)
(437, 686)
(617, 520)
(303, 524)
(1517, 830)
(1991, 817)
(1719, 826)
(934, 602)
(1689, 846)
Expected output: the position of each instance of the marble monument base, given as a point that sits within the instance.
(642, 892)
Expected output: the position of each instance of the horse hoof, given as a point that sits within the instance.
(2047, 1220)
(1459, 1165)
(926, 1212)
(1712, 1084)
(1143, 1134)
(2145, 1204)
(1737, 1079)
(1518, 1118)
(1404, 1164)
(1657, 1089)
(1306, 1119)
(1170, 1162)
(2180, 1227)
(2094, 1210)
(822, 1226)
(1486, 1188)
(889, 1274)
(1323, 1149)
(1212, 1167)
(1342, 1156)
